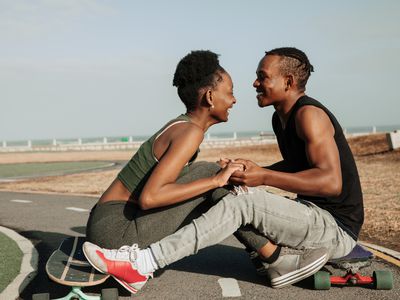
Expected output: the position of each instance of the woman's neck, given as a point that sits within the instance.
(201, 119)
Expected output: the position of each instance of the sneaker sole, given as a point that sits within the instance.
(129, 288)
(298, 275)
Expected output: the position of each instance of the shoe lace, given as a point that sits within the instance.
(125, 252)
(240, 190)
(292, 251)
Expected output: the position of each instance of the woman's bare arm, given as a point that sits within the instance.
(161, 188)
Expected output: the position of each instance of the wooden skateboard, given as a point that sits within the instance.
(68, 266)
(352, 263)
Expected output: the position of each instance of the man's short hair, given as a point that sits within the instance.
(294, 62)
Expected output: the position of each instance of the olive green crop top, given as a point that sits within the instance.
(138, 170)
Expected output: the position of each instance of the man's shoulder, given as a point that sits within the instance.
(310, 112)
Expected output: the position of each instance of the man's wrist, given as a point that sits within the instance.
(265, 176)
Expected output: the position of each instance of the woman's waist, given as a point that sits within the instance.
(117, 191)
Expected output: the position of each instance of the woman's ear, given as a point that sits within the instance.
(209, 98)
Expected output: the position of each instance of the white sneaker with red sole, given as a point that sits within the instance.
(119, 263)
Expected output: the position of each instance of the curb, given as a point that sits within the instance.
(28, 266)
(384, 253)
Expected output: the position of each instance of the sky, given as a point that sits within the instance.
(87, 68)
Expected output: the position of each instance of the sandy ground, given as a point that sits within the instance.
(378, 168)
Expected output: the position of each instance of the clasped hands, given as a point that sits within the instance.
(247, 172)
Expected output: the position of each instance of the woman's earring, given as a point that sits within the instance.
(211, 107)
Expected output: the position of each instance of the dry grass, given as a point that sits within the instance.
(378, 168)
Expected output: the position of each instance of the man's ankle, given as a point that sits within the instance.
(273, 257)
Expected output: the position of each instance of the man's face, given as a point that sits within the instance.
(269, 84)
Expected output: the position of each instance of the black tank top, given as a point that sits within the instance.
(347, 208)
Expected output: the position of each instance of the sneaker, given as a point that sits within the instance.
(260, 265)
(119, 263)
(291, 268)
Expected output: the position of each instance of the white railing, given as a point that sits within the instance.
(128, 143)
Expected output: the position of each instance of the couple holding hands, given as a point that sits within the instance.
(167, 206)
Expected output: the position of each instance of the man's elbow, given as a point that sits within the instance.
(334, 188)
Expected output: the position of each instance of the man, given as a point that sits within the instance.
(317, 165)
(317, 162)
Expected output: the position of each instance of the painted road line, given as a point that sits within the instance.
(21, 201)
(230, 287)
(384, 250)
(388, 258)
(77, 209)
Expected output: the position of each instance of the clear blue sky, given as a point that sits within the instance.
(81, 68)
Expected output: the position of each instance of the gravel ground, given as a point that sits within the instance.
(378, 168)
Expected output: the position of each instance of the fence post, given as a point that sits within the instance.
(29, 144)
(393, 139)
(104, 140)
(54, 142)
(4, 144)
(79, 141)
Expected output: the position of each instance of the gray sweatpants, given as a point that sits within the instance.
(117, 223)
(296, 224)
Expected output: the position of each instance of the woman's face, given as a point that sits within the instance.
(222, 98)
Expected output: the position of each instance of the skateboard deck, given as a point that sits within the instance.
(352, 263)
(68, 266)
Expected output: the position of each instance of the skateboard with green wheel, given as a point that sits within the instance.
(68, 266)
(352, 263)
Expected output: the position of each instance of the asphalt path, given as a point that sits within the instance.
(213, 273)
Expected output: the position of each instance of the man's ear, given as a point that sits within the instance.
(289, 82)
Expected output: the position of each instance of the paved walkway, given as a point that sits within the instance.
(47, 219)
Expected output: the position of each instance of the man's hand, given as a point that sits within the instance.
(252, 175)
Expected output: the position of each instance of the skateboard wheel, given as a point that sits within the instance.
(109, 294)
(322, 280)
(44, 296)
(383, 280)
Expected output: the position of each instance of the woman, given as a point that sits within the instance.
(149, 198)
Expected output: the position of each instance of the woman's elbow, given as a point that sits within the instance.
(146, 202)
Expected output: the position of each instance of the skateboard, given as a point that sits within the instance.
(68, 266)
(352, 263)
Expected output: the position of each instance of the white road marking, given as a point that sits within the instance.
(21, 201)
(77, 209)
(230, 287)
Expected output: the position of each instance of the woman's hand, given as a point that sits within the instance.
(223, 162)
(223, 176)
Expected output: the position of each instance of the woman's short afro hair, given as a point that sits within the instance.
(196, 70)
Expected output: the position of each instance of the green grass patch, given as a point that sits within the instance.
(10, 260)
(41, 169)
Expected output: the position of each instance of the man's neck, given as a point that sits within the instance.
(285, 107)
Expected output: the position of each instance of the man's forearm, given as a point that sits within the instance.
(312, 182)
(281, 166)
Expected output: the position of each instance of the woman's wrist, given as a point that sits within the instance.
(215, 181)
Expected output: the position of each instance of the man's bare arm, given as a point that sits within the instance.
(324, 178)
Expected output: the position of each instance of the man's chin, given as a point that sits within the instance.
(262, 103)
